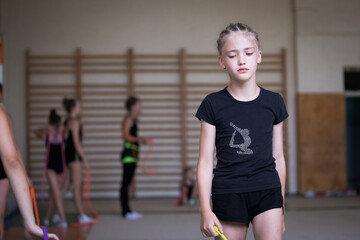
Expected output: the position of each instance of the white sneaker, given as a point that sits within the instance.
(56, 219)
(83, 218)
(62, 225)
(191, 202)
(132, 216)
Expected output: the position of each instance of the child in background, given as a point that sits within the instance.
(55, 167)
(130, 153)
(245, 124)
(188, 188)
(75, 154)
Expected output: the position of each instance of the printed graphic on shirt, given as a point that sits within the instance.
(244, 150)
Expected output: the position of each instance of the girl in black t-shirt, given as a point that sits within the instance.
(245, 124)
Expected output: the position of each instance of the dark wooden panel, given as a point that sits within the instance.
(322, 142)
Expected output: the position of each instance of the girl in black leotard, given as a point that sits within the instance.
(55, 165)
(75, 154)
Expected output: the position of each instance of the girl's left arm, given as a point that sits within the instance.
(278, 154)
(75, 126)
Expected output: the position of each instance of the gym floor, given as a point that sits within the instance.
(330, 218)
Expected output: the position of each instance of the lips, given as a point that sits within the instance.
(243, 70)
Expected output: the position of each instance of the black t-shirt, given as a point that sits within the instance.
(243, 140)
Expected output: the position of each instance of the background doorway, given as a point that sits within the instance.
(352, 89)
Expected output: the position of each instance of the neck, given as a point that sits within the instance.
(247, 91)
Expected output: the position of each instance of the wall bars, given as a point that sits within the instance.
(171, 87)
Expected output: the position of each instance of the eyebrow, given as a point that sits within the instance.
(250, 48)
(246, 49)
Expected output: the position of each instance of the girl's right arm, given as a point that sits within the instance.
(41, 133)
(15, 170)
(204, 179)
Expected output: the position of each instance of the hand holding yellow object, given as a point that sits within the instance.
(221, 235)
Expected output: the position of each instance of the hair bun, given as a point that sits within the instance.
(68, 104)
(53, 112)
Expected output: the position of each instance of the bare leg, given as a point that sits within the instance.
(56, 193)
(234, 230)
(4, 189)
(76, 177)
(50, 206)
(66, 183)
(268, 225)
(63, 188)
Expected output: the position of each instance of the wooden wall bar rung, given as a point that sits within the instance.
(47, 64)
(155, 63)
(50, 86)
(147, 85)
(50, 57)
(42, 101)
(104, 71)
(99, 100)
(155, 56)
(171, 87)
(156, 71)
(212, 56)
(103, 56)
(104, 85)
(108, 115)
(203, 63)
(103, 64)
(100, 108)
(51, 71)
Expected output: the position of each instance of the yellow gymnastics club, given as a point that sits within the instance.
(221, 235)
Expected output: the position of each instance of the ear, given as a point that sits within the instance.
(221, 62)
(259, 57)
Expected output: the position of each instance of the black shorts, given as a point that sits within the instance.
(243, 207)
(2, 171)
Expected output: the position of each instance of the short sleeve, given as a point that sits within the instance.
(281, 113)
(206, 111)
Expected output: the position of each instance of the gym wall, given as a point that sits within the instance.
(171, 87)
(328, 41)
(158, 26)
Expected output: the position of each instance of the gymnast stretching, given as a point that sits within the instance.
(75, 153)
(16, 175)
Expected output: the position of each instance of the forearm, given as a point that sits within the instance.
(40, 133)
(79, 148)
(204, 181)
(281, 169)
(133, 139)
(18, 180)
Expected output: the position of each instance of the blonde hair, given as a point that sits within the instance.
(235, 27)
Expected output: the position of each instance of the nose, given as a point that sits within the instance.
(241, 59)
